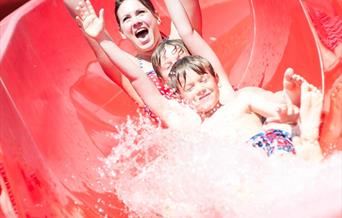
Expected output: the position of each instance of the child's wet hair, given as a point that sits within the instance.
(196, 63)
(156, 56)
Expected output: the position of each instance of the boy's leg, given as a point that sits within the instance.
(310, 117)
(292, 86)
(331, 131)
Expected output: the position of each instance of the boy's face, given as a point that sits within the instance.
(169, 56)
(200, 91)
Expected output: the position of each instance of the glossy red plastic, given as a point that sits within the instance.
(57, 106)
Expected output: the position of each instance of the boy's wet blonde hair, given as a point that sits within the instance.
(156, 55)
(196, 63)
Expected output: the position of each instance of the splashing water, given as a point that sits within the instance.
(204, 173)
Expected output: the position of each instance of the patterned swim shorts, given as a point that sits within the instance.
(273, 140)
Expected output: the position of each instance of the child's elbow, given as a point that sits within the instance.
(137, 80)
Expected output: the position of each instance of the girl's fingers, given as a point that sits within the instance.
(86, 13)
(101, 14)
(81, 13)
(291, 111)
(284, 109)
(90, 7)
(82, 16)
(81, 9)
(78, 11)
(296, 110)
(79, 21)
(87, 7)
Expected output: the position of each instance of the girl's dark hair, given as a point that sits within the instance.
(147, 3)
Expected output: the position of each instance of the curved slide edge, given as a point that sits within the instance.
(56, 121)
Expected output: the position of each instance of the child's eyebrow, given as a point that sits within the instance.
(174, 50)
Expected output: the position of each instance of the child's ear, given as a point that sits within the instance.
(217, 79)
(122, 35)
(158, 18)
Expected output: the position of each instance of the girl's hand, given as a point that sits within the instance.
(90, 23)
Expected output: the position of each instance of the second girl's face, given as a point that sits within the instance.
(139, 25)
(169, 56)
(200, 91)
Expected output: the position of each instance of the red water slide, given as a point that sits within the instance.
(7, 6)
(57, 106)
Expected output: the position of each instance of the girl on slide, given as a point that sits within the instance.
(139, 23)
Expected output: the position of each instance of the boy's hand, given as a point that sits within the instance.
(288, 113)
(91, 24)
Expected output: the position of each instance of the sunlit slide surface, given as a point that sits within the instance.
(61, 117)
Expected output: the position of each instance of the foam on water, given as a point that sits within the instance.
(205, 173)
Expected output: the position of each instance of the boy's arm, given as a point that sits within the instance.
(194, 42)
(267, 105)
(108, 67)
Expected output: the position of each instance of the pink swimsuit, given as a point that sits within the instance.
(167, 92)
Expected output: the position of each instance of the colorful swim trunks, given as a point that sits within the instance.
(273, 141)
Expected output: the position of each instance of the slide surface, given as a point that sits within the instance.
(58, 107)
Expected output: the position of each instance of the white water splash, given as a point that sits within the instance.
(171, 173)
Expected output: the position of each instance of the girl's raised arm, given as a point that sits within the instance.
(194, 42)
(93, 26)
(193, 11)
(109, 69)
